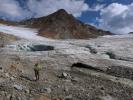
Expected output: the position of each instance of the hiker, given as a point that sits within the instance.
(37, 68)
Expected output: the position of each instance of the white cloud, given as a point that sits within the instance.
(11, 9)
(97, 7)
(117, 18)
(43, 7)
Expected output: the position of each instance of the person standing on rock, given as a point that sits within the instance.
(37, 68)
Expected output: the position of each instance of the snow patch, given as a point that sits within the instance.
(27, 33)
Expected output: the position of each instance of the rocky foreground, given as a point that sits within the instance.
(95, 69)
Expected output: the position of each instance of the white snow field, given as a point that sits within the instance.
(27, 33)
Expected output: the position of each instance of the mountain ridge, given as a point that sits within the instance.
(61, 25)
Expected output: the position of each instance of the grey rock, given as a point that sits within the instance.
(3, 93)
(108, 97)
(64, 75)
(19, 87)
(8, 96)
(27, 91)
(45, 90)
(1, 68)
(12, 78)
(18, 98)
(12, 97)
(74, 79)
(7, 75)
(69, 97)
(66, 89)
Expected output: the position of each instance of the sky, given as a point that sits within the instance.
(112, 15)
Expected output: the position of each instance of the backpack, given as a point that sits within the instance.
(37, 67)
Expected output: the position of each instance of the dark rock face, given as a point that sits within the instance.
(34, 48)
(61, 25)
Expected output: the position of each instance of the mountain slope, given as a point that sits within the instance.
(8, 22)
(61, 25)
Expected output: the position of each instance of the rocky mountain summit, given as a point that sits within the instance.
(95, 69)
(61, 25)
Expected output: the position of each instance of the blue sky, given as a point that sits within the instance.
(90, 16)
(113, 15)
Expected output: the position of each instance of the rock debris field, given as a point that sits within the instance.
(94, 69)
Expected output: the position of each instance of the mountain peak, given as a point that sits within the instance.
(62, 11)
(62, 25)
